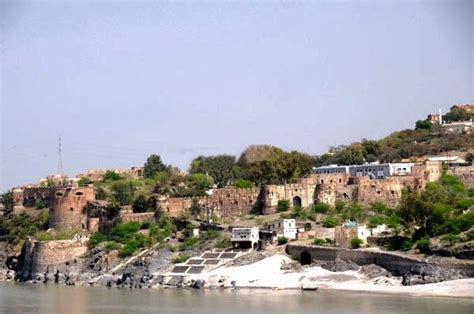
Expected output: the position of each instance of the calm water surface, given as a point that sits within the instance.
(21, 298)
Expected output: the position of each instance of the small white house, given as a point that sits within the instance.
(379, 229)
(284, 228)
(245, 237)
(363, 232)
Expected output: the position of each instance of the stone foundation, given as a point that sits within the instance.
(42, 256)
(394, 263)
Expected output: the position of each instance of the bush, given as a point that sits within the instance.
(282, 240)
(127, 250)
(406, 245)
(451, 239)
(111, 245)
(330, 222)
(96, 238)
(209, 235)
(423, 245)
(223, 243)
(126, 231)
(329, 241)
(356, 243)
(318, 241)
(375, 221)
(321, 208)
(179, 259)
(244, 184)
(140, 204)
(339, 205)
(300, 213)
(112, 209)
(283, 206)
(188, 243)
(145, 225)
(470, 234)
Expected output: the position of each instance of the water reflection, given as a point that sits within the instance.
(15, 298)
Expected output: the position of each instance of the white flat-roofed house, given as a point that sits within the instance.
(245, 237)
(284, 228)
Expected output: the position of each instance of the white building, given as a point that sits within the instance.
(284, 228)
(245, 237)
(372, 170)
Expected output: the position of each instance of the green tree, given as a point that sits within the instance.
(140, 204)
(111, 175)
(84, 181)
(283, 205)
(423, 124)
(244, 184)
(200, 183)
(220, 168)
(112, 210)
(8, 203)
(153, 165)
(352, 155)
(123, 192)
(457, 114)
(195, 208)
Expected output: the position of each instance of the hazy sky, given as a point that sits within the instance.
(121, 80)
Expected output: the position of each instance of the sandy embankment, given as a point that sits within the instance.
(267, 274)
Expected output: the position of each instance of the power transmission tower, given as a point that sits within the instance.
(60, 157)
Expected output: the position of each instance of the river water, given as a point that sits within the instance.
(21, 298)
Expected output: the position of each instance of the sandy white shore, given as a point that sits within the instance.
(267, 273)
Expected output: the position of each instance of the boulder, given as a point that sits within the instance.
(425, 273)
(374, 271)
(339, 265)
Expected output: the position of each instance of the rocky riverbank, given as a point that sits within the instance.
(255, 270)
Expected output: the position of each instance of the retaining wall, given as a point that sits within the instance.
(394, 263)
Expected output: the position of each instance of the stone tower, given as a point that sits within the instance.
(67, 207)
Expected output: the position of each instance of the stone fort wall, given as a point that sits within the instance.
(67, 207)
(224, 202)
(42, 256)
(325, 188)
(28, 197)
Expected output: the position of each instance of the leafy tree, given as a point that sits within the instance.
(352, 155)
(153, 165)
(140, 204)
(330, 222)
(423, 124)
(356, 243)
(8, 203)
(111, 175)
(265, 164)
(112, 210)
(321, 208)
(200, 182)
(195, 208)
(84, 181)
(123, 192)
(283, 205)
(457, 114)
(244, 184)
(220, 168)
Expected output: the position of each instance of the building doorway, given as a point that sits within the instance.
(296, 201)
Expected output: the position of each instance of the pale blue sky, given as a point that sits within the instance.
(121, 80)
